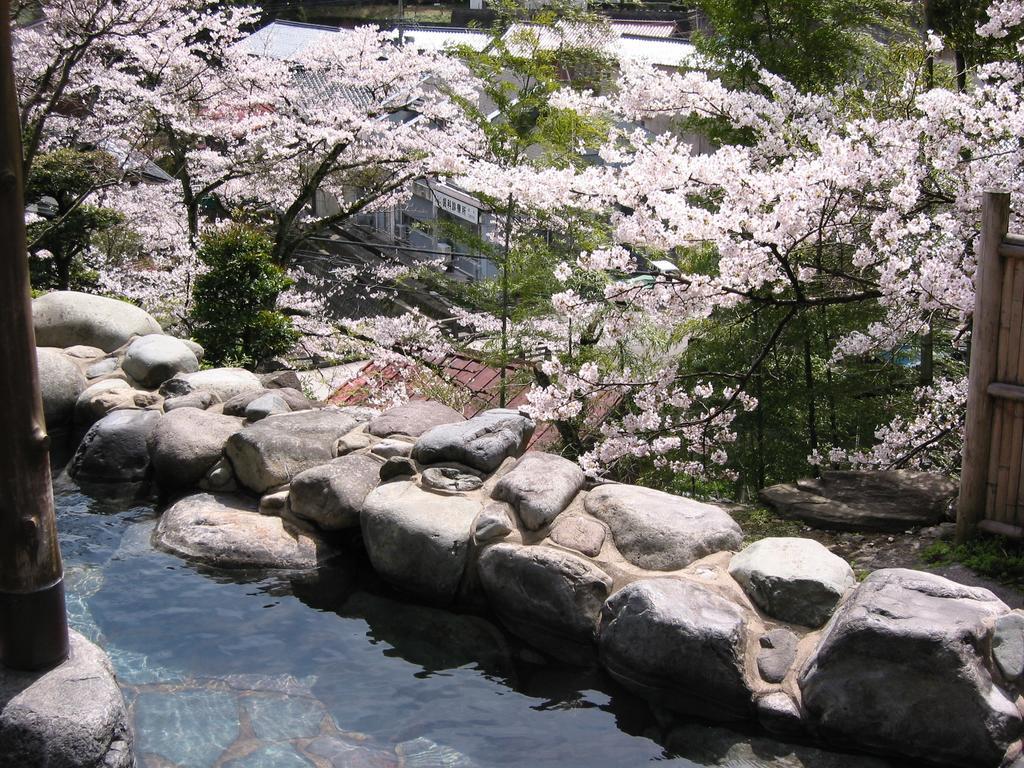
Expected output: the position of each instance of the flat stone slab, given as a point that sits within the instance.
(413, 419)
(72, 716)
(482, 442)
(902, 668)
(865, 501)
(229, 532)
(539, 486)
(659, 531)
(419, 540)
(791, 579)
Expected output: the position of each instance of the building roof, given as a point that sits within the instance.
(642, 28)
(285, 40)
(441, 38)
(480, 383)
(662, 53)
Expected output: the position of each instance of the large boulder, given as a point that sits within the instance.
(115, 449)
(331, 495)
(68, 318)
(90, 407)
(274, 450)
(419, 540)
(550, 598)
(659, 531)
(413, 419)
(61, 382)
(72, 716)
(153, 359)
(794, 580)
(540, 486)
(680, 644)
(229, 532)
(186, 442)
(902, 668)
(225, 383)
(878, 500)
(482, 442)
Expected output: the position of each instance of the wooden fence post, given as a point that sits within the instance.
(988, 284)
(33, 619)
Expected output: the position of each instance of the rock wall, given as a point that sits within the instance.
(647, 584)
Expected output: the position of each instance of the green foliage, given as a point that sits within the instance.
(815, 44)
(761, 523)
(59, 246)
(994, 556)
(234, 313)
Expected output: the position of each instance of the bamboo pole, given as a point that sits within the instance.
(988, 284)
(33, 619)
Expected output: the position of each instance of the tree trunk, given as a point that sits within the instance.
(33, 621)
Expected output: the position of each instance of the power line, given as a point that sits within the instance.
(382, 246)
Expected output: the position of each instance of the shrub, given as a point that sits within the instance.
(234, 311)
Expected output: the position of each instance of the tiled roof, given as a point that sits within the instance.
(481, 382)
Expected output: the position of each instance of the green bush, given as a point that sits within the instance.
(234, 315)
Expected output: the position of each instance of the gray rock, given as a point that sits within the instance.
(451, 479)
(101, 368)
(705, 745)
(659, 531)
(72, 716)
(196, 347)
(778, 713)
(186, 443)
(899, 664)
(272, 451)
(293, 398)
(225, 383)
(680, 644)
(99, 399)
(349, 443)
(493, 523)
(548, 597)
(891, 500)
(540, 486)
(1008, 645)
(229, 532)
(397, 466)
(115, 449)
(579, 533)
(482, 442)
(778, 651)
(388, 448)
(84, 352)
(266, 405)
(61, 382)
(793, 580)
(413, 419)
(274, 503)
(68, 318)
(153, 359)
(418, 540)
(198, 399)
(331, 495)
(220, 478)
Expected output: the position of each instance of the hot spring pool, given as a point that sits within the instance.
(257, 670)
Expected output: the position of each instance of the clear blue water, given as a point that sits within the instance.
(256, 670)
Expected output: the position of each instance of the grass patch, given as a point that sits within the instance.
(994, 556)
(762, 523)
